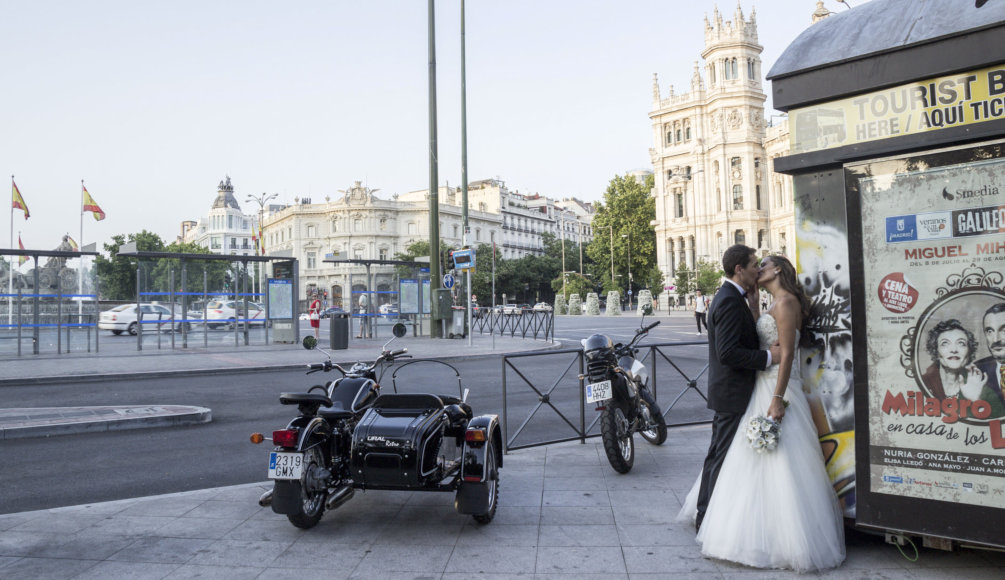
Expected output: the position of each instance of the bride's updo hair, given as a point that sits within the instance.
(790, 283)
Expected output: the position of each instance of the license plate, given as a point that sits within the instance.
(286, 465)
(598, 391)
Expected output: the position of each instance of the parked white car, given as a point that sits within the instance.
(156, 317)
(542, 307)
(227, 313)
(509, 309)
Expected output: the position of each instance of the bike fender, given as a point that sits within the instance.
(286, 497)
(473, 465)
(311, 428)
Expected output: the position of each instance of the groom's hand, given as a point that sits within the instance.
(776, 353)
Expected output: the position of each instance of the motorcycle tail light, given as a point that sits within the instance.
(476, 437)
(602, 408)
(285, 437)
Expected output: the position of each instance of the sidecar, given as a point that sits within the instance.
(426, 442)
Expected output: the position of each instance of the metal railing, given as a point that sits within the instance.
(534, 324)
(558, 411)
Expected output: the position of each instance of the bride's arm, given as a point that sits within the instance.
(786, 313)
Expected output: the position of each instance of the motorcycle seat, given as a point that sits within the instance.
(335, 414)
(299, 398)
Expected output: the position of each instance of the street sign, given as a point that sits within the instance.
(448, 280)
(629, 291)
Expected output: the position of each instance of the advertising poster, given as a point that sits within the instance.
(933, 239)
(280, 299)
(426, 293)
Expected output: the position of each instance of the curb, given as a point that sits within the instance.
(130, 417)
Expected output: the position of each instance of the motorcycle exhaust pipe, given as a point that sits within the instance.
(266, 499)
(340, 496)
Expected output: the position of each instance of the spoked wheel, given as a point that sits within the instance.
(313, 492)
(492, 484)
(619, 445)
(655, 428)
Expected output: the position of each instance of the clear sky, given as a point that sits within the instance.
(154, 103)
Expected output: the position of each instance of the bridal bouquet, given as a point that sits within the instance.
(763, 434)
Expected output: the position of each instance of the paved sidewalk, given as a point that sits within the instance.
(564, 513)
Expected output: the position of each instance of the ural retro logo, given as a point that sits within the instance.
(947, 195)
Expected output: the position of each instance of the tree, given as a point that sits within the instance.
(684, 280)
(217, 271)
(574, 284)
(709, 277)
(626, 212)
(117, 274)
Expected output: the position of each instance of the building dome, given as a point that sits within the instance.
(225, 196)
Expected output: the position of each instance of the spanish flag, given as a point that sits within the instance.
(18, 201)
(21, 259)
(91, 206)
(73, 245)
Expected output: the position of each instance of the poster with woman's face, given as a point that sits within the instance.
(934, 257)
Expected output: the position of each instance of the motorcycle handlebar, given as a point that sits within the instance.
(650, 327)
(398, 352)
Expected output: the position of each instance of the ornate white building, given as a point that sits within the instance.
(712, 156)
(225, 229)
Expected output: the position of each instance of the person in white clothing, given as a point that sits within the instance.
(700, 310)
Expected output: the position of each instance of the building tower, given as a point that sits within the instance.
(712, 187)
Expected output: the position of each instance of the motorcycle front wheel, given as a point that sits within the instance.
(655, 431)
(619, 445)
(312, 499)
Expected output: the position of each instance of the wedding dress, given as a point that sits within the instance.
(775, 509)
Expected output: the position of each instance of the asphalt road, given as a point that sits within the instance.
(78, 469)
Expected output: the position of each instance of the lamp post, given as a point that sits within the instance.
(612, 254)
(629, 237)
(261, 200)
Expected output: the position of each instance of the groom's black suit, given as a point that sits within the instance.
(733, 361)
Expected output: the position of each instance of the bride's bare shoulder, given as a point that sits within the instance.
(786, 307)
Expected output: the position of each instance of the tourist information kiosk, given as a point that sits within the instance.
(897, 151)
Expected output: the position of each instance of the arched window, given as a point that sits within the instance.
(750, 68)
(669, 135)
(737, 197)
(757, 195)
(718, 198)
(725, 69)
(687, 132)
(679, 206)
(711, 73)
(678, 136)
(732, 66)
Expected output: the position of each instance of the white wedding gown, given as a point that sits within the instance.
(774, 509)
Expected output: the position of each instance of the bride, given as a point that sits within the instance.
(775, 509)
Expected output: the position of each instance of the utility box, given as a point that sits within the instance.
(442, 304)
(339, 331)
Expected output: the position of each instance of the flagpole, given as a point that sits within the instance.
(10, 272)
(80, 263)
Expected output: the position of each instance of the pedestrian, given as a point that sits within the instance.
(364, 320)
(316, 317)
(700, 310)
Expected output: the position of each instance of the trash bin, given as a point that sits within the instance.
(340, 331)
(457, 323)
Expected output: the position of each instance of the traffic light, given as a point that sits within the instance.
(450, 259)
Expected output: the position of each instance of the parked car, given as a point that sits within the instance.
(123, 318)
(227, 313)
(388, 309)
(328, 312)
(509, 309)
(542, 307)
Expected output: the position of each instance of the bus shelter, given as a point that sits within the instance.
(386, 292)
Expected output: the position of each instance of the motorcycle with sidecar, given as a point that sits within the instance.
(349, 435)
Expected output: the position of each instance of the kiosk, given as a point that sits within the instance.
(897, 152)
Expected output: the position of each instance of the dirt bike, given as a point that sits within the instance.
(618, 384)
(348, 436)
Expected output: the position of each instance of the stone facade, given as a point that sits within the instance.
(712, 156)
(225, 229)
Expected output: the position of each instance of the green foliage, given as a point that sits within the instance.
(709, 277)
(684, 280)
(622, 223)
(574, 284)
(117, 274)
(220, 274)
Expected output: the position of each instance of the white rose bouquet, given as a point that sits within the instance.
(763, 434)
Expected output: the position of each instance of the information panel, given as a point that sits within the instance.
(408, 294)
(933, 262)
(280, 299)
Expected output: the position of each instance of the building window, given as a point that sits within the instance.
(413, 228)
(757, 162)
(735, 163)
(382, 253)
(678, 136)
(750, 68)
(711, 73)
(216, 243)
(357, 253)
(679, 209)
(230, 222)
(732, 66)
(455, 230)
(669, 136)
(718, 199)
(383, 223)
(357, 225)
(778, 194)
(761, 238)
(312, 259)
(311, 231)
(739, 237)
(757, 195)
(687, 133)
(737, 197)
(334, 225)
(669, 174)
(478, 234)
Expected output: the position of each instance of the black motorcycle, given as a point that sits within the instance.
(618, 384)
(350, 436)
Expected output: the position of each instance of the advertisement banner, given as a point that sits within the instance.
(938, 103)
(934, 295)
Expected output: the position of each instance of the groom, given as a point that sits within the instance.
(733, 360)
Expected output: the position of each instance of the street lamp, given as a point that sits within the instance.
(261, 200)
(629, 236)
(612, 254)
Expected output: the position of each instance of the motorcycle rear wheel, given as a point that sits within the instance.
(654, 432)
(312, 503)
(619, 444)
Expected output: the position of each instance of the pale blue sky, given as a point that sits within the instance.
(153, 103)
